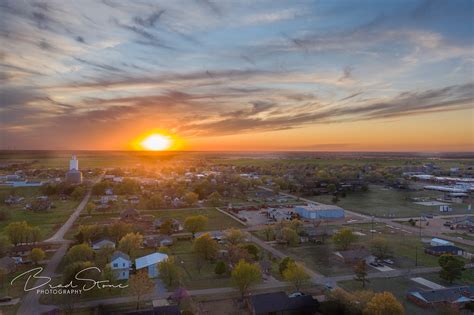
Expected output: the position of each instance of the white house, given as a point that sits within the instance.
(151, 263)
(102, 244)
(120, 264)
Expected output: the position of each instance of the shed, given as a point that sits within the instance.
(151, 263)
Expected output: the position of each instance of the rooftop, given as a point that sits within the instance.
(150, 260)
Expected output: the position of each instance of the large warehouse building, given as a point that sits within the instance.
(319, 211)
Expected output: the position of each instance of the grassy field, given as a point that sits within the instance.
(49, 221)
(408, 250)
(384, 202)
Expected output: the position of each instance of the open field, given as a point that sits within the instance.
(407, 250)
(385, 202)
(48, 221)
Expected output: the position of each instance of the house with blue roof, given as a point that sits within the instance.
(455, 297)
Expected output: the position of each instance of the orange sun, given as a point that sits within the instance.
(156, 142)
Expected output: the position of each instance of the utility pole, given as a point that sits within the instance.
(416, 255)
(420, 227)
(372, 230)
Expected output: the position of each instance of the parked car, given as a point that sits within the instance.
(388, 261)
(5, 299)
(295, 294)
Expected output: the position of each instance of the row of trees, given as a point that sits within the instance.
(22, 233)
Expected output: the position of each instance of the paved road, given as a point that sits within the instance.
(59, 235)
(212, 291)
(30, 303)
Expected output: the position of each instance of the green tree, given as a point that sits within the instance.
(380, 248)
(384, 303)
(169, 272)
(205, 247)
(195, 223)
(344, 238)
(108, 275)
(139, 285)
(78, 193)
(130, 243)
(244, 275)
(269, 232)
(252, 250)
(215, 199)
(290, 236)
(166, 227)
(72, 269)
(284, 264)
(155, 202)
(360, 271)
(119, 229)
(36, 255)
(234, 236)
(90, 208)
(18, 232)
(190, 198)
(296, 274)
(221, 268)
(80, 252)
(451, 267)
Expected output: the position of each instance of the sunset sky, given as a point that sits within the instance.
(238, 75)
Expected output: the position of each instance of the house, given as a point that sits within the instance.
(13, 200)
(154, 241)
(151, 263)
(130, 214)
(455, 297)
(120, 264)
(215, 235)
(319, 211)
(463, 223)
(314, 234)
(444, 249)
(439, 242)
(353, 256)
(175, 224)
(8, 264)
(21, 250)
(278, 303)
(102, 244)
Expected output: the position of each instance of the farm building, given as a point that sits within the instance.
(151, 263)
(444, 249)
(319, 211)
(440, 242)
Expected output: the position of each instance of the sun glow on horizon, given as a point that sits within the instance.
(156, 142)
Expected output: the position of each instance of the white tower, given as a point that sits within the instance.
(74, 163)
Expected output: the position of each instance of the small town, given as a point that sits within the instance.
(239, 236)
(223, 157)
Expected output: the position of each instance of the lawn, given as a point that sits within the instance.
(49, 221)
(397, 286)
(386, 202)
